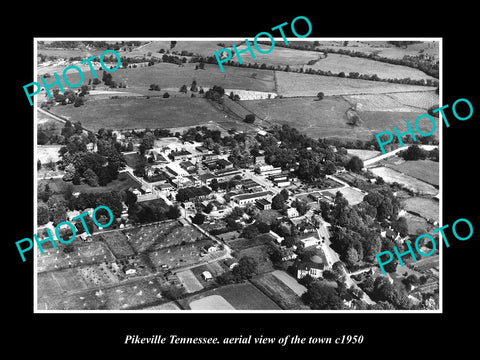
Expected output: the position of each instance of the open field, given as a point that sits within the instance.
(211, 302)
(278, 290)
(363, 154)
(416, 225)
(204, 48)
(382, 48)
(324, 118)
(123, 182)
(297, 84)
(378, 121)
(278, 56)
(415, 101)
(141, 113)
(242, 296)
(425, 170)
(337, 63)
(427, 208)
(291, 282)
(418, 186)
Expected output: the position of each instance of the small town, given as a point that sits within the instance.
(255, 216)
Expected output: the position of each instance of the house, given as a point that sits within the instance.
(275, 236)
(263, 204)
(136, 192)
(202, 149)
(206, 275)
(260, 160)
(282, 183)
(210, 248)
(313, 266)
(231, 263)
(292, 212)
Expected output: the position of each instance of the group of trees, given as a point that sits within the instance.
(247, 267)
(311, 159)
(97, 168)
(415, 152)
(152, 211)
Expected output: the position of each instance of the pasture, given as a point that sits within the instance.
(296, 84)
(141, 113)
(424, 170)
(416, 101)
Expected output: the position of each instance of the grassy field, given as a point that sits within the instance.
(296, 84)
(425, 170)
(260, 254)
(378, 121)
(337, 63)
(363, 154)
(141, 113)
(278, 56)
(279, 291)
(428, 208)
(324, 118)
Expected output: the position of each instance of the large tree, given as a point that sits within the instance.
(322, 297)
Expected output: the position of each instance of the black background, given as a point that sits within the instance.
(385, 334)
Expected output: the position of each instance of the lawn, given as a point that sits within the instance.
(141, 113)
(425, 170)
(296, 84)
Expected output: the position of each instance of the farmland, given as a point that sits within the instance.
(296, 84)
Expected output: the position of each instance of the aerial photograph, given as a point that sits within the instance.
(260, 188)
